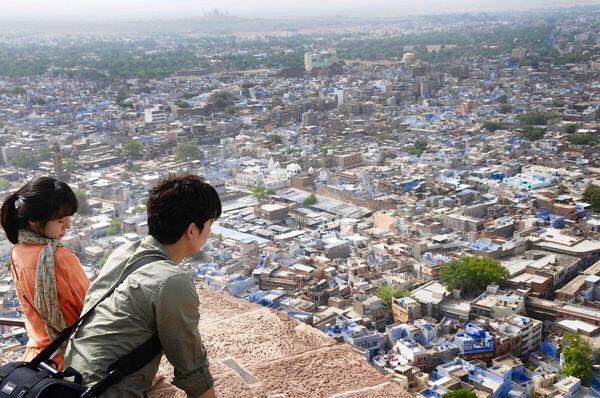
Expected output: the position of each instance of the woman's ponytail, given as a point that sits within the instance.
(9, 217)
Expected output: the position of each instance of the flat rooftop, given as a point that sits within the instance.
(432, 292)
(575, 325)
(257, 352)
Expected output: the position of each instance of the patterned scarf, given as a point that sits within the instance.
(46, 297)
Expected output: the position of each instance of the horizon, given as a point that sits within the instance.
(149, 10)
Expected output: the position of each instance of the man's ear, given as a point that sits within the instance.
(190, 231)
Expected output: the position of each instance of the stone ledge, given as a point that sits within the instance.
(258, 352)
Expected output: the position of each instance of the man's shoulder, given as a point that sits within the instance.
(163, 274)
(171, 276)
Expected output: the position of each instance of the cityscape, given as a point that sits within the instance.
(411, 204)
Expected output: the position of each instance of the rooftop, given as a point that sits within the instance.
(257, 352)
(432, 292)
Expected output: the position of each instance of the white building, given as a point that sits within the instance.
(529, 329)
(156, 114)
(414, 353)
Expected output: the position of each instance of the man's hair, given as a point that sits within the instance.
(178, 201)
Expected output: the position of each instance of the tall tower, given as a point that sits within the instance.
(308, 61)
(58, 162)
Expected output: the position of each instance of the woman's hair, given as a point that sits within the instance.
(178, 201)
(41, 200)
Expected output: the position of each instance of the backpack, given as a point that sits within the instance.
(38, 379)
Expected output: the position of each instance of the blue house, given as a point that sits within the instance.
(474, 339)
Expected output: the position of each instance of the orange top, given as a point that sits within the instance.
(71, 286)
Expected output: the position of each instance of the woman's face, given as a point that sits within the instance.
(54, 229)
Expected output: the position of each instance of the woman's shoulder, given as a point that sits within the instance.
(25, 251)
(64, 253)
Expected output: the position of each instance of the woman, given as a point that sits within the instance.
(48, 277)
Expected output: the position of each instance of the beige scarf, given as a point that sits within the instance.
(46, 298)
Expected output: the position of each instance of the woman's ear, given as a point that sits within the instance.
(34, 226)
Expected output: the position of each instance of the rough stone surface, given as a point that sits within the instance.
(280, 356)
(258, 336)
(385, 390)
(217, 306)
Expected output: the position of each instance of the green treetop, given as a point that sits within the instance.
(187, 152)
(83, 205)
(576, 354)
(132, 148)
(592, 196)
(310, 199)
(461, 393)
(472, 274)
(389, 292)
(261, 191)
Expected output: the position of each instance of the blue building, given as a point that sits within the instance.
(305, 317)
(507, 376)
(356, 335)
(267, 298)
(474, 340)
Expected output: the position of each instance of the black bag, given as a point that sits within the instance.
(38, 379)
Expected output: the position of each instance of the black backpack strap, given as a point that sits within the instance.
(63, 336)
(127, 365)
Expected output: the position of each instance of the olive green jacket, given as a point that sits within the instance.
(157, 298)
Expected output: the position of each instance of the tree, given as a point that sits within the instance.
(261, 191)
(71, 165)
(389, 292)
(420, 146)
(417, 148)
(533, 133)
(114, 228)
(592, 196)
(533, 118)
(460, 393)
(222, 100)
(139, 210)
(43, 154)
(576, 354)
(472, 274)
(103, 259)
(491, 126)
(132, 166)
(4, 184)
(310, 200)
(230, 110)
(503, 99)
(182, 103)
(123, 100)
(505, 108)
(275, 138)
(26, 161)
(187, 152)
(38, 101)
(584, 139)
(83, 205)
(570, 128)
(132, 148)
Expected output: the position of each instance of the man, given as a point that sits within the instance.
(157, 298)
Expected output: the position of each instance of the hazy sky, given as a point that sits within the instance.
(145, 9)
